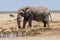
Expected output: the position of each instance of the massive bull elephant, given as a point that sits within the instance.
(34, 13)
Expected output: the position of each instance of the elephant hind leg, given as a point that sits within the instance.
(48, 24)
(44, 24)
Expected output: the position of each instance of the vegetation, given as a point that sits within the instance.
(11, 15)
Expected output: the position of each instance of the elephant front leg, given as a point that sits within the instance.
(24, 23)
(30, 22)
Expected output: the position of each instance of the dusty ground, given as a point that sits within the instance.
(34, 38)
(54, 33)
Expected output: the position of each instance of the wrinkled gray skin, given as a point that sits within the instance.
(33, 13)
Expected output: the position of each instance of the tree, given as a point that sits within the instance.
(11, 15)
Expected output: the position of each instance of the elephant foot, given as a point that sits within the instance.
(23, 27)
(28, 26)
(45, 26)
(19, 27)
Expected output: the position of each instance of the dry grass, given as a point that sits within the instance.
(6, 23)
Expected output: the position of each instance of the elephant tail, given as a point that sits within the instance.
(50, 16)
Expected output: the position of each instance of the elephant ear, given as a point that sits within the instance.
(20, 12)
(28, 12)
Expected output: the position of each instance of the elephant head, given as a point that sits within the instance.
(25, 12)
(20, 13)
(28, 13)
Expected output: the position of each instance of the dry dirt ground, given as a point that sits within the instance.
(34, 38)
(6, 22)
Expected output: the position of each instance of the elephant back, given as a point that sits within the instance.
(39, 9)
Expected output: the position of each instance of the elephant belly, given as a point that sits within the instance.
(38, 18)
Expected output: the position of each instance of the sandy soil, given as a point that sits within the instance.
(54, 33)
(34, 38)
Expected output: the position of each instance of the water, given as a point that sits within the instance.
(8, 35)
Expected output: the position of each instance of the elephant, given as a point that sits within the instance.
(33, 13)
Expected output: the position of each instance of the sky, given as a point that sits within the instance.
(14, 5)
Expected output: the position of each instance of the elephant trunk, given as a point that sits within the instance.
(18, 21)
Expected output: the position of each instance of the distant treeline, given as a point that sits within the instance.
(55, 11)
(10, 12)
